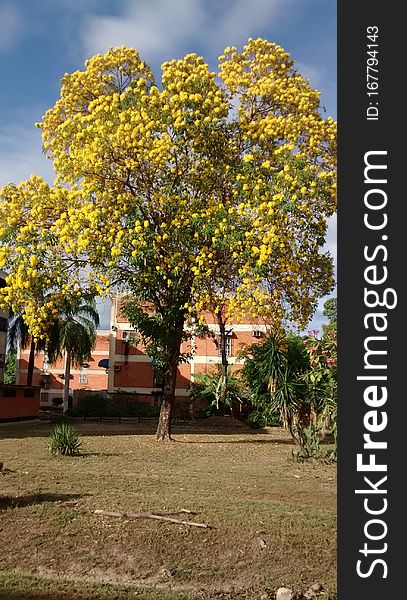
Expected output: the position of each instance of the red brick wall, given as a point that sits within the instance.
(98, 379)
(21, 405)
(140, 374)
(134, 374)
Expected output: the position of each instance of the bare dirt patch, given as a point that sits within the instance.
(245, 485)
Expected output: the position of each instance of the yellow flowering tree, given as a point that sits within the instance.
(205, 186)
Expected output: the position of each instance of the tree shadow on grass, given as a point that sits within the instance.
(96, 428)
(32, 499)
(240, 441)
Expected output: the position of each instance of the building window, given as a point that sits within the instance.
(83, 378)
(44, 397)
(128, 335)
(46, 364)
(228, 345)
(44, 381)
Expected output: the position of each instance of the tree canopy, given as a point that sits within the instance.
(205, 186)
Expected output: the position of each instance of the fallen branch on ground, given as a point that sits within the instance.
(150, 515)
(174, 512)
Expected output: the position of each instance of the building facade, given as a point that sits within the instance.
(119, 362)
(131, 370)
(50, 378)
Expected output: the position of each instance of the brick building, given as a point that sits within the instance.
(119, 362)
(131, 370)
(50, 378)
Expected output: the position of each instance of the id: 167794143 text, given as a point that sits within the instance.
(372, 72)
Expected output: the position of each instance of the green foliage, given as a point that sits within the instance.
(273, 372)
(10, 367)
(208, 387)
(144, 410)
(310, 443)
(322, 381)
(89, 406)
(159, 329)
(64, 440)
(295, 379)
(97, 405)
(330, 310)
(19, 335)
(74, 332)
(263, 418)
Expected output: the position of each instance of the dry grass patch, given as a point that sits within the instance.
(274, 519)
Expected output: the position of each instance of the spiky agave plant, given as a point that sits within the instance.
(64, 440)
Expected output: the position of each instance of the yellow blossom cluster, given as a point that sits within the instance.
(205, 187)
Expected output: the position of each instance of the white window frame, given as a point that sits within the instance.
(228, 344)
(126, 334)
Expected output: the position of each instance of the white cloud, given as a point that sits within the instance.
(331, 237)
(20, 153)
(160, 29)
(242, 19)
(311, 72)
(321, 80)
(11, 25)
(155, 28)
(331, 245)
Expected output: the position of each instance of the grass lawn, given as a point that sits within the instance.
(273, 519)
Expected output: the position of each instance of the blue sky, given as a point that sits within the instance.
(41, 40)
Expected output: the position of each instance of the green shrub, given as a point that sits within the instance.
(144, 410)
(94, 405)
(256, 420)
(260, 418)
(204, 413)
(64, 440)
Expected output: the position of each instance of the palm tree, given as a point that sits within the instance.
(274, 372)
(73, 335)
(19, 336)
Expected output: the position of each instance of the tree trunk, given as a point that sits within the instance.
(67, 377)
(164, 422)
(30, 369)
(173, 351)
(224, 360)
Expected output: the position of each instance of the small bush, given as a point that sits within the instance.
(95, 405)
(112, 406)
(258, 419)
(64, 440)
(143, 410)
(205, 413)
